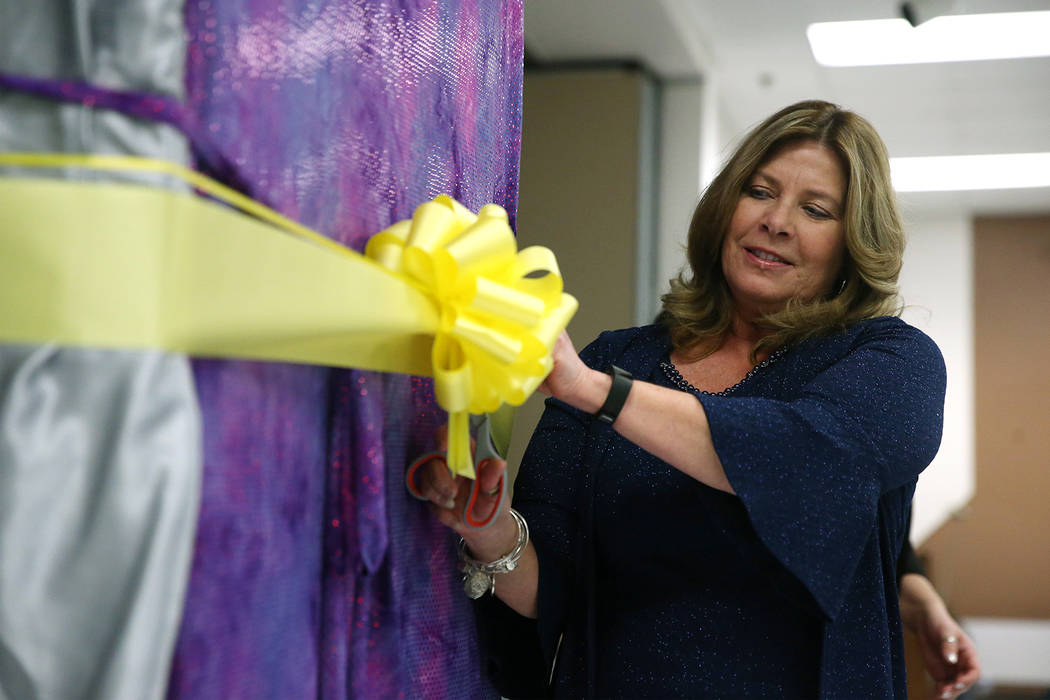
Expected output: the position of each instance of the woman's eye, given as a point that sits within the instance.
(758, 192)
(816, 212)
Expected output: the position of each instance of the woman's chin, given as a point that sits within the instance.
(761, 301)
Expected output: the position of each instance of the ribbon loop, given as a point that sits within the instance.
(506, 303)
(386, 246)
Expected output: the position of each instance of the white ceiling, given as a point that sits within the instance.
(756, 52)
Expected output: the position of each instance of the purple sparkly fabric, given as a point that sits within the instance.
(139, 105)
(158, 108)
(315, 574)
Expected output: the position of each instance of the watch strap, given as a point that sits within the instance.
(617, 396)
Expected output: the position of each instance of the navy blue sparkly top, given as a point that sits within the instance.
(666, 588)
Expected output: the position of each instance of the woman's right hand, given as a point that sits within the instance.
(568, 374)
(449, 495)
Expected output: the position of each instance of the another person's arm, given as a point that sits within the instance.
(949, 654)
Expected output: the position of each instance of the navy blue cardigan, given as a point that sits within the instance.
(664, 587)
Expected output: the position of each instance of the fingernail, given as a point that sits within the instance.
(450, 503)
(952, 657)
(960, 685)
(946, 695)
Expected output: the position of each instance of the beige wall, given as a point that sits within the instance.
(995, 560)
(580, 162)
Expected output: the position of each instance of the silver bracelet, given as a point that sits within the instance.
(479, 577)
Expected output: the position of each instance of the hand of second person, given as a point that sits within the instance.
(950, 656)
(948, 653)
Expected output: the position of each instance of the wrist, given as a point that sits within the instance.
(916, 589)
(479, 576)
(494, 541)
(622, 381)
(919, 601)
(589, 392)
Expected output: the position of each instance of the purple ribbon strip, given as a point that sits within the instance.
(139, 105)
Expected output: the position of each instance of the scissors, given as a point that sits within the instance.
(493, 439)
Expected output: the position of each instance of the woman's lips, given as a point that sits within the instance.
(764, 258)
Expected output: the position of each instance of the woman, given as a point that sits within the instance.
(726, 523)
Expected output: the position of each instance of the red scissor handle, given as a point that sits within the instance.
(410, 475)
(468, 510)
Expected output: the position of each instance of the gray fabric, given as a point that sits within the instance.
(98, 503)
(99, 449)
(121, 44)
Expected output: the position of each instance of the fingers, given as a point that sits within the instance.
(969, 668)
(429, 478)
(948, 691)
(959, 670)
(950, 649)
(489, 473)
(459, 503)
(434, 482)
(567, 367)
(488, 495)
(944, 692)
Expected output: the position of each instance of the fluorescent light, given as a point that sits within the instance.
(987, 172)
(945, 38)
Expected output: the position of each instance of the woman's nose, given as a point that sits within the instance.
(779, 219)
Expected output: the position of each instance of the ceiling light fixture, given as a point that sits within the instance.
(919, 11)
(984, 172)
(941, 39)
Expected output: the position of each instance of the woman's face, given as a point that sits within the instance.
(786, 238)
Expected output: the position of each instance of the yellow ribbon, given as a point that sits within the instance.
(446, 294)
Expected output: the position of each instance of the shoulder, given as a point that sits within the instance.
(892, 332)
(627, 345)
(885, 337)
(885, 330)
(887, 325)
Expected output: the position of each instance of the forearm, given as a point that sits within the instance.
(517, 588)
(917, 597)
(669, 424)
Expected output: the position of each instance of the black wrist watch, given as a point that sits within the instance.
(621, 386)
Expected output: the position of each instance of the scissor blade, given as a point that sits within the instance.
(501, 422)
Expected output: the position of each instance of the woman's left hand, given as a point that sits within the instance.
(569, 373)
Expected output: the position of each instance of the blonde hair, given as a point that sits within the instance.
(698, 309)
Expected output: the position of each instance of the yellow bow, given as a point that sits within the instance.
(500, 309)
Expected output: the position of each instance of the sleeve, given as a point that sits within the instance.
(908, 562)
(545, 493)
(810, 471)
